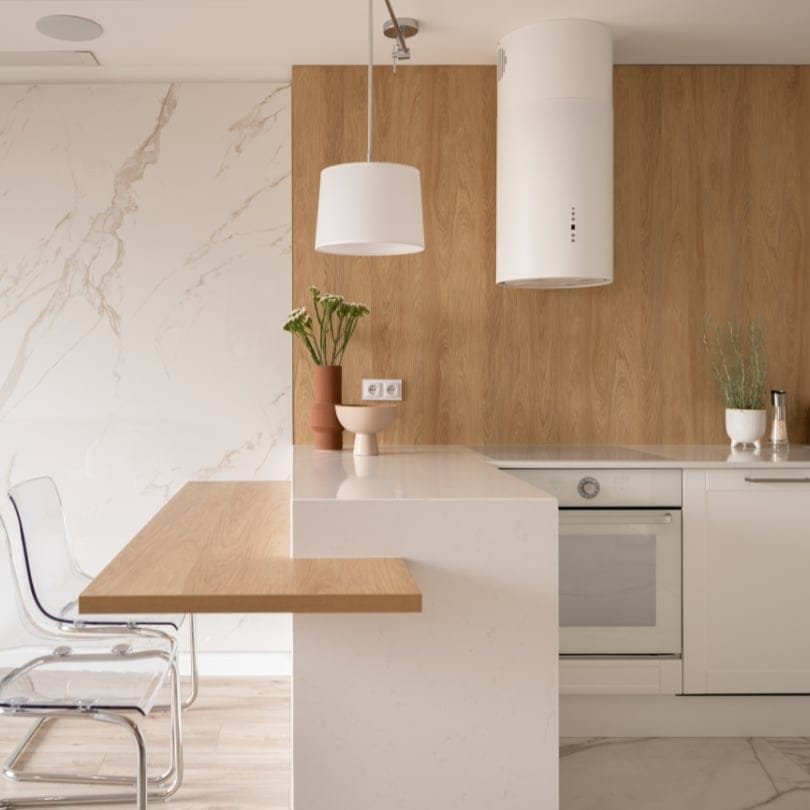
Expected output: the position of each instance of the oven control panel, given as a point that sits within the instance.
(585, 488)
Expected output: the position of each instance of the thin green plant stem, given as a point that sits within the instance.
(739, 363)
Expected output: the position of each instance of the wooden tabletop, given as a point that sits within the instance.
(224, 547)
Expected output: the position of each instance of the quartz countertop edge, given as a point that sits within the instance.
(606, 456)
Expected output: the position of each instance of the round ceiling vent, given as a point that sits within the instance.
(69, 28)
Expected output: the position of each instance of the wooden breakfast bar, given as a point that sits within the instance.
(224, 547)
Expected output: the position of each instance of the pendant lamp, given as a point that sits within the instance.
(370, 208)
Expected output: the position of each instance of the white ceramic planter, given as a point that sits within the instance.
(745, 426)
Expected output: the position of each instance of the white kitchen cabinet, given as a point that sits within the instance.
(747, 581)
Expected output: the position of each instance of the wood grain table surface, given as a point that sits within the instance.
(224, 547)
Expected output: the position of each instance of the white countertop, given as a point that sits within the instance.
(425, 472)
(681, 456)
(455, 472)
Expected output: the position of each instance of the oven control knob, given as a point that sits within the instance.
(588, 487)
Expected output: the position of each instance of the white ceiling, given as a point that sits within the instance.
(260, 39)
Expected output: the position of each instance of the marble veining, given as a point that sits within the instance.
(144, 275)
(678, 773)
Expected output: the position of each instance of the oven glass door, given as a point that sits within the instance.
(620, 582)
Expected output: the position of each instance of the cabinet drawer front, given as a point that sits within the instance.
(757, 479)
(628, 488)
(628, 676)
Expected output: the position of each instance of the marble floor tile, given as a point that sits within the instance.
(786, 760)
(796, 749)
(679, 773)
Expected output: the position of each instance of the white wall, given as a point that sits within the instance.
(144, 277)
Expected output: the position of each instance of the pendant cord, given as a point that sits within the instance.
(370, 130)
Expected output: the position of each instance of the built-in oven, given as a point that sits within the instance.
(620, 559)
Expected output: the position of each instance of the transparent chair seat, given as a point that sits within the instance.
(43, 668)
(111, 676)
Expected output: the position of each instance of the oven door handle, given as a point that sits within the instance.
(752, 480)
(614, 520)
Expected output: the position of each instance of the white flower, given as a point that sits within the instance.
(296, 315)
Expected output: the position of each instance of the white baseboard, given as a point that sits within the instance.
(684, 716)
(240, 664)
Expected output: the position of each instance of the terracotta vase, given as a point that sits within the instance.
(328, 384)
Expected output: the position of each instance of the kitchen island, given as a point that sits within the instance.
(454, 707)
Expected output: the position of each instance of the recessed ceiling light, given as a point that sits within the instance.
(69, 28)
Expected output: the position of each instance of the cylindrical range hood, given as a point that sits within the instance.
(555, 156)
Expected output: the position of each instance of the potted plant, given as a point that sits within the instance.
(740, 364)
(326, 339)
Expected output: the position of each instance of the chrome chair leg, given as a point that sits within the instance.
(159, 788)
(195, 675)
(19, 749)
(10, 770)
(15, 774)
(140, 795)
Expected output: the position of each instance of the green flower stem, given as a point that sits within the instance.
(350, 327)
(334, 331)
(309, 340)
(320, 314)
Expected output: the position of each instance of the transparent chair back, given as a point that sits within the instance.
(54, 577)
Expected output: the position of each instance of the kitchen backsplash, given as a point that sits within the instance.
(712, 216)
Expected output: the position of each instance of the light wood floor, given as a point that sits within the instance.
(237, 748)
(237, 757)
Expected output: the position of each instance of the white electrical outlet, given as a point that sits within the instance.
(390, 390)
(373, 389)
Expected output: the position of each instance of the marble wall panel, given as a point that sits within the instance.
(144, 277)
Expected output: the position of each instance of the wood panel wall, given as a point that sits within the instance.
(712, 217)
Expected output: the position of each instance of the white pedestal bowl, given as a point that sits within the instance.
(366, 421)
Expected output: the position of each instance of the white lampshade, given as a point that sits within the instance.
(370, 209)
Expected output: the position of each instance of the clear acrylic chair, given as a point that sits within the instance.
(55, 579)
(94, 678)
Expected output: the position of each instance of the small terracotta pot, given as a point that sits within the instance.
(328, 385)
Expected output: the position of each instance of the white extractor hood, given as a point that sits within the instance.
(555, 156)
